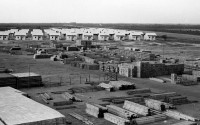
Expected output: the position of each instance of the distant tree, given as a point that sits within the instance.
(164, 37)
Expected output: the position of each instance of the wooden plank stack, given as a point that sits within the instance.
(149, 119)
(81, 118)
(162, 96)
(139, 91)
(121, 112)
(158, 105)
(116, 119)
(185, 123)
(68, 96)
(107, 87)
(177, 100)
(137, 108)
(179, 115)
(95, 110)
(122, 85)
(8, 80)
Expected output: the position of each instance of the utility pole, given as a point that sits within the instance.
(28, 75)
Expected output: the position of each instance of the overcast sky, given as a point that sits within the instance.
(100, 11)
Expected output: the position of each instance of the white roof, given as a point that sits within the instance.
(37, 33)
(4, 33)
(151, 34)
(18, 109)
(136, 33)
(20, 34)
(24, 74)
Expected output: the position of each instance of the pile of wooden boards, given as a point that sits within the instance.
(158, 105)
(116, 119)
(46, 97)
(68, 96)
(137, 108)
(85, 89)
(122, 85)
(59, 100)
(28, 79)
(179, 115)
(95, 110)
(42, 56)
(162, 96)
(185, 123)
(177, 100)
(8, 80)
(89, 66)
(81, 118)
(139, 91)
(121, 100)
(149, 119)
(121, 112)
(107, 87)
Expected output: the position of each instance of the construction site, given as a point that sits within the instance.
(97, 82)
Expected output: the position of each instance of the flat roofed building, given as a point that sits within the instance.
(16, 109)
(150, 36)
(4, 35)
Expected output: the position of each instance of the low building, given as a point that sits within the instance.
(71, 36)
(37, 34)
(150, 36)
(135, 36)
(87, 36)
(103, 37)
(4, 35)
(54, 36)
(20, 35)
(17, 109)
(119, 37)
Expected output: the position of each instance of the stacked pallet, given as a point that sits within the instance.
(139, 91)
(179, 115)
(95, 110)
(85, 89)
(60, 101)
(27, 79)
(177, 100)
(149, 119)
(121, 112)
(139, 100)
(116, 119)
(137, 108)
(8, 80)
(122, 85)
(162, 96)
(107, 87)
(158, 105)
(185, 123)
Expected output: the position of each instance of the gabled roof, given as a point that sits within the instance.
(151, 34)
(20, 34)
(4, 33)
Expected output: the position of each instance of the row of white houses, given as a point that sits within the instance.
(101, 34)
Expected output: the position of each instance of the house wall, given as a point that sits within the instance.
(118, 38)
(54, 37)
(71, 38)
(135, 37)
(1, 37)
(34, 37)
(103, 38)
(147, 37)
(86, 37)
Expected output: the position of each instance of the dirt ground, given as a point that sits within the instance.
(55, 72)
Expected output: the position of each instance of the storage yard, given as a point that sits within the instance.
(97, 77)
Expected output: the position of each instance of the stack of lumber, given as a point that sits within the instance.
(121, 112)
(28, 79)
(89, 66)
(107, 87)
(139, 91)
(81, 118)
(179, 115)
(122, 85)
(158, 105)
(42, 56)
(8, 80)
(58, 100)
(139, 100)
(137, 108)
(162, 96)
(185, 123)
(116, 119)
(149, 119)
(95, 110)
(85, 89)
(46, 97)
(69, 96)
(177, 100)
(157, 80)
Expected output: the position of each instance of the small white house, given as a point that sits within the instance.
(150, 36)
(20, 35)
(103, 37)
(135, 36)
(37, 35)
(4, 35)
(71, 36)
(87, 36)
(119, 37)
(54, 36)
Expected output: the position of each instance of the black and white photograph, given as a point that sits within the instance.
(99, 62)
